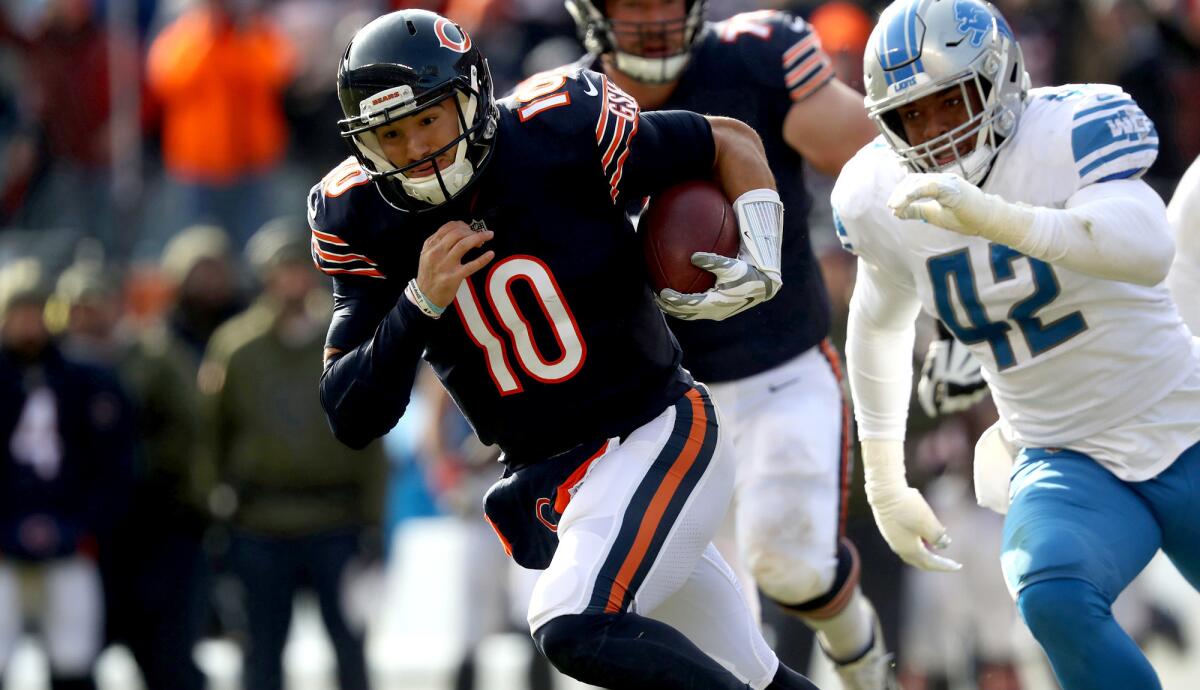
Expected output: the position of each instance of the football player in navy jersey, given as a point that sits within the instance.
(771, 370)
(491, 238)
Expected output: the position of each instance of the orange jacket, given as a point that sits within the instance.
(220, 90)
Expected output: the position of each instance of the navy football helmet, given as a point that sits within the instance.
(398, 65)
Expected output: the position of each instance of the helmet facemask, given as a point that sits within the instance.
(472, 144)
(983, 132)
(659, 50)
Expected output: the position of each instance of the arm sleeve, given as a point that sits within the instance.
(1114, 230)
(366, 389)
(643, 153)
(671, 146)
(879, 345)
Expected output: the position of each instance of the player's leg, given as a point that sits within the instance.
(792, 440)
(267, 570)
(710, 610)
(73, 621)
(11, 613)
(326, 559)
(1174, 496)
(1075, 536)
(630, 537)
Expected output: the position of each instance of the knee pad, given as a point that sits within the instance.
(832, 598)
(568, 642)
(781, 548)
(787, 577)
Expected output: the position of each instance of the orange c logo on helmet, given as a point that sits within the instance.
(460, 46)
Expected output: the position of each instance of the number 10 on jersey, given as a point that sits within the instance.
(498, 291)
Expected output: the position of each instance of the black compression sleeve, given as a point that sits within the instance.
(366, 390)
(670, 146)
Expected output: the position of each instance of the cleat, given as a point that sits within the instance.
(874, 669)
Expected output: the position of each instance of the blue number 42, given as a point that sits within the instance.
(1039, 336)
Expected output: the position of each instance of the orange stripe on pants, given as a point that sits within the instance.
(658, 505)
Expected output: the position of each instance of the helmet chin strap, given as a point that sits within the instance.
(652, 70)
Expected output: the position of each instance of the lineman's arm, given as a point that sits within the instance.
(879, 357)
(829, 127)
(1114, 230)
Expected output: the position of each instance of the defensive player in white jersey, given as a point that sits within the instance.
(1184, 214)
(1018, 218)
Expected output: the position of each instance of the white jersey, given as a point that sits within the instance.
(1184, 214)
(1067, 355)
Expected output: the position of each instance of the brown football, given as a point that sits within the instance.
(690, 217)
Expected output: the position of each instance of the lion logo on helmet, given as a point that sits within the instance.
(974, 20)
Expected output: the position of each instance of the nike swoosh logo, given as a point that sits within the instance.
(780, 386)
(591, 88)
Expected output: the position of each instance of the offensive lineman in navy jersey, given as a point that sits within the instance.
(493, 240)
(771, 370)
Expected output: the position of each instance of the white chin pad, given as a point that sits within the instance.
(652, 70)
(971, 167)
(454, 176)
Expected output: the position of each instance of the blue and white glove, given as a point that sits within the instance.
(753, 277)
(951, 380)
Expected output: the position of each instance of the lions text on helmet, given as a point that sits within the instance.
(419, 111)
(946, 84)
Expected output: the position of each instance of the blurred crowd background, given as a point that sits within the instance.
(154, 258)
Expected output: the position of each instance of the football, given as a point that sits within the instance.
(690, 217)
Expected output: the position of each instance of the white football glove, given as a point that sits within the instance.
(753, 277)
(948, 201)
(905, 520)
(951, 380)
(739, 287)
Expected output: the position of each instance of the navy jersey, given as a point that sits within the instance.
(558, 340)
(754, 67)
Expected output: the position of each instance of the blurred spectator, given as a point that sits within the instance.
(199, 264)
(66, 444)
(218, 72)
(323, 28)
(67, 102)
(153, 565)
(302, 502)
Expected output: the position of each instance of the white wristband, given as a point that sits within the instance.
(760, 220)
(428, 308)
